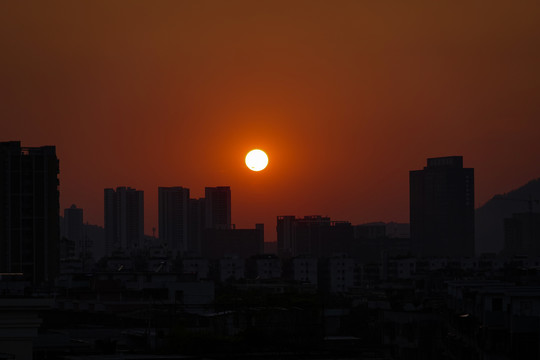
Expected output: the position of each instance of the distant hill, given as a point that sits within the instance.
(490, 217)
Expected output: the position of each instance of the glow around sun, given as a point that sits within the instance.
(256, 160)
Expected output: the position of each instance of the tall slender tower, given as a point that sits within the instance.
(196, 226)
(442, 208)
(286, 236)
(73, 228)
(218, 207)
(173, 204)
(124, 219)
(29, 211)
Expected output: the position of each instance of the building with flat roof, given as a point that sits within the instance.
(242, 243)
(73, 228)
(124, 219)
(314, 235)
(218, 207)
(173, 204)
(29, 211)
(442, 208)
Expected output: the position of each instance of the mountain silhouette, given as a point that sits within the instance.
(490, 216)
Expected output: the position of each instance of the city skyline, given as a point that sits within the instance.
(270, 230)
(344, 99)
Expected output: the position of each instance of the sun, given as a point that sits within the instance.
(256, 160)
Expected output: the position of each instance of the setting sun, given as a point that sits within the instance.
(256, 160)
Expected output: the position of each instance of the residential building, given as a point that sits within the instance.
(315, 236)
(124, 219)
(305, 269)
(29, 212)
(231, 268)
(196, 226)
(522, 234)
(285, 236)
(442, 208)
(173, 204)
(218, 207)
(74, 228)
(243, 243)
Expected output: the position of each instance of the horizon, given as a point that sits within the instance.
(296, 215)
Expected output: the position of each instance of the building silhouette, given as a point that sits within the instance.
(173, 204)
(124, 219)
(442, 208)
(286, 236)
(29, 211)
(522, 234)
(74, 228)
(196, 225)
(302, 236)
(218, 207)
(220, 243)
(316, 236)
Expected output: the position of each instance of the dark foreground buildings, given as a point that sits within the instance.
(442, 208)
(29, 211)
(522, 235)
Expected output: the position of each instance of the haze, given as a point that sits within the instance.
(345, 97)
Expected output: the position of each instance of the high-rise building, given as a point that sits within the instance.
(196, 226)
(442, 208)
(173, 203)
(218, 207)
(73, 228)
(285, 236)
(124, 219)
(29, 211)
(309, 235)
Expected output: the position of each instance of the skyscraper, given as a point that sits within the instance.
(218, 207)
(196, 226)
(29, 211)
(73, 228)
(124, 219)
(442, 208)
(173, 204)
(285, 236)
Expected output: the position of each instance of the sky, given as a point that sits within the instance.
(346, 97)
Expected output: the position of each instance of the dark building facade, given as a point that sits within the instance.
(285, 236)
(315, 236)
(442, 208)
(243, 243)
(173, 204)
(196, 226)
(522, 235)
(29, 211)
(73, 228)
(124, 219)
(218, 207)
(309, 235)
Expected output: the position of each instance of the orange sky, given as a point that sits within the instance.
(345, 96)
